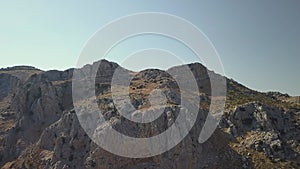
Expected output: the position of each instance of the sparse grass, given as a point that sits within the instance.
(235, 98)
(33, 158)
(259, 159)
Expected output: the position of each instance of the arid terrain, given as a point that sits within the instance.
(39, 127)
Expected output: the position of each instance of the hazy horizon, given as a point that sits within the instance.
(151, 68)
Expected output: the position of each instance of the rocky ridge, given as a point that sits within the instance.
(40, 129)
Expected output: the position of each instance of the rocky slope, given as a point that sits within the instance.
(39, 127)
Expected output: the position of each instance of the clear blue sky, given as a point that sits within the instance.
(258, 41)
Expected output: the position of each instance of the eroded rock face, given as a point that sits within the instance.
(68, 142)
(8, 83)
(72, 148)
(36, 105)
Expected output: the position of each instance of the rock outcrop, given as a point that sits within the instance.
(266, 129)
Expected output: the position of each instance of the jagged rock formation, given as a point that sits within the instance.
(40, 129)
(266, 129)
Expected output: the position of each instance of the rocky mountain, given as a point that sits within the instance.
(39, 127)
